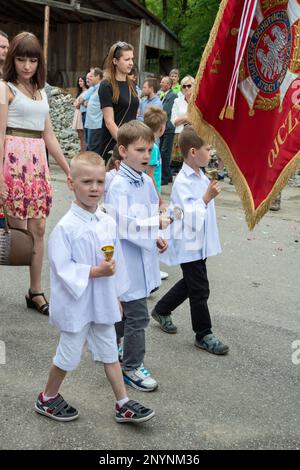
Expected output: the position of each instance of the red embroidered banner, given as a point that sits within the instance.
(253, 117)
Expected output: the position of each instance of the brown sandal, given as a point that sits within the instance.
(43, 309)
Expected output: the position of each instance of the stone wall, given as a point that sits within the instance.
(62, 113)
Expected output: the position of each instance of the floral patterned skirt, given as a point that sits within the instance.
(27, 177)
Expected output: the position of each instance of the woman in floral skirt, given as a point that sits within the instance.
(25, 129)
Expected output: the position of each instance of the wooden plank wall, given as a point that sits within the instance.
(156, 37)
(15, 28)
(85, 45)
(75, 47)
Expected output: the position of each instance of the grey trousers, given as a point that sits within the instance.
(136, 320)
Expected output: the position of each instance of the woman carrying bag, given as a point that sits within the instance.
(25, 129)
(118, 98)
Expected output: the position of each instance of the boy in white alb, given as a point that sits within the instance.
(133, 201)
(194, 237)
(84, 293)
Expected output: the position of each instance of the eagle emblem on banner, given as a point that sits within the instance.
(246, 97)
(271, 61)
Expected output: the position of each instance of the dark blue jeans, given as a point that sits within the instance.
(94, 140)
(166, 145)
(1, 223)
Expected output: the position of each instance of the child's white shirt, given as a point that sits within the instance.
(195, 236)
(108, 179)
(135, 210)
(74, 247)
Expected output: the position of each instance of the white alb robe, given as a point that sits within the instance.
(135, 210)
(74, 247)
(195, 236)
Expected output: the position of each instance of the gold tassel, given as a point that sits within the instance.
(222, 114)
(229, 112)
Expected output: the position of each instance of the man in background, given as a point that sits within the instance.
(166, 141)
(94, 115)
(149, 91)
(4, 44)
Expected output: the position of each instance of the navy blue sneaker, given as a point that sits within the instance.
(212, 344)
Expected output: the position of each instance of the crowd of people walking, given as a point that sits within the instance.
(127, 137)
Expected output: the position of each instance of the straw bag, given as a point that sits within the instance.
(16, 245)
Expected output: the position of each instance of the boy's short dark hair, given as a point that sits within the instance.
(132, 131)
(152, 83)
(189, 139)
(155, 118)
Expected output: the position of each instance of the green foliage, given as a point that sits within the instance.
(191, 21)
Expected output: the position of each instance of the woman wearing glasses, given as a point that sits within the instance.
(117, 94)
(179, 116)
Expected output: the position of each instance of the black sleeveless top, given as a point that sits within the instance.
(105, 96)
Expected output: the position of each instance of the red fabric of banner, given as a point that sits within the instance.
(263, 138)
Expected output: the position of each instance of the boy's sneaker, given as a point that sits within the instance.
(165, 322)
(140, 379)
(133, 412)
(212, 344)
(56, 408)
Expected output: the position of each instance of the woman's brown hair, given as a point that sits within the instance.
(116, 52)
(25, 45)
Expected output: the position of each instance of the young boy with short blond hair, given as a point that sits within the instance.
(85, 286)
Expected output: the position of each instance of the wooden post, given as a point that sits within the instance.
(46, 36)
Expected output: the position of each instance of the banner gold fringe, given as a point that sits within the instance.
(211, 135)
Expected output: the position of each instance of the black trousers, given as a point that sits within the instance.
(195, 286)
(166, 145)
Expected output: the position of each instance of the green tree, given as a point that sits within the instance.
(191, 21)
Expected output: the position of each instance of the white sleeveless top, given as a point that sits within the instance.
(26, 113)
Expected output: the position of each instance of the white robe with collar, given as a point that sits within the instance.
(195, 236)
(135, 210)
(74, 247)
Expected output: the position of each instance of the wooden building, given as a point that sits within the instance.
(78, 33)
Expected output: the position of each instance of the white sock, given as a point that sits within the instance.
(122, 402)
(46, 398)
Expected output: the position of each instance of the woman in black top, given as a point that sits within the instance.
(117, 94)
